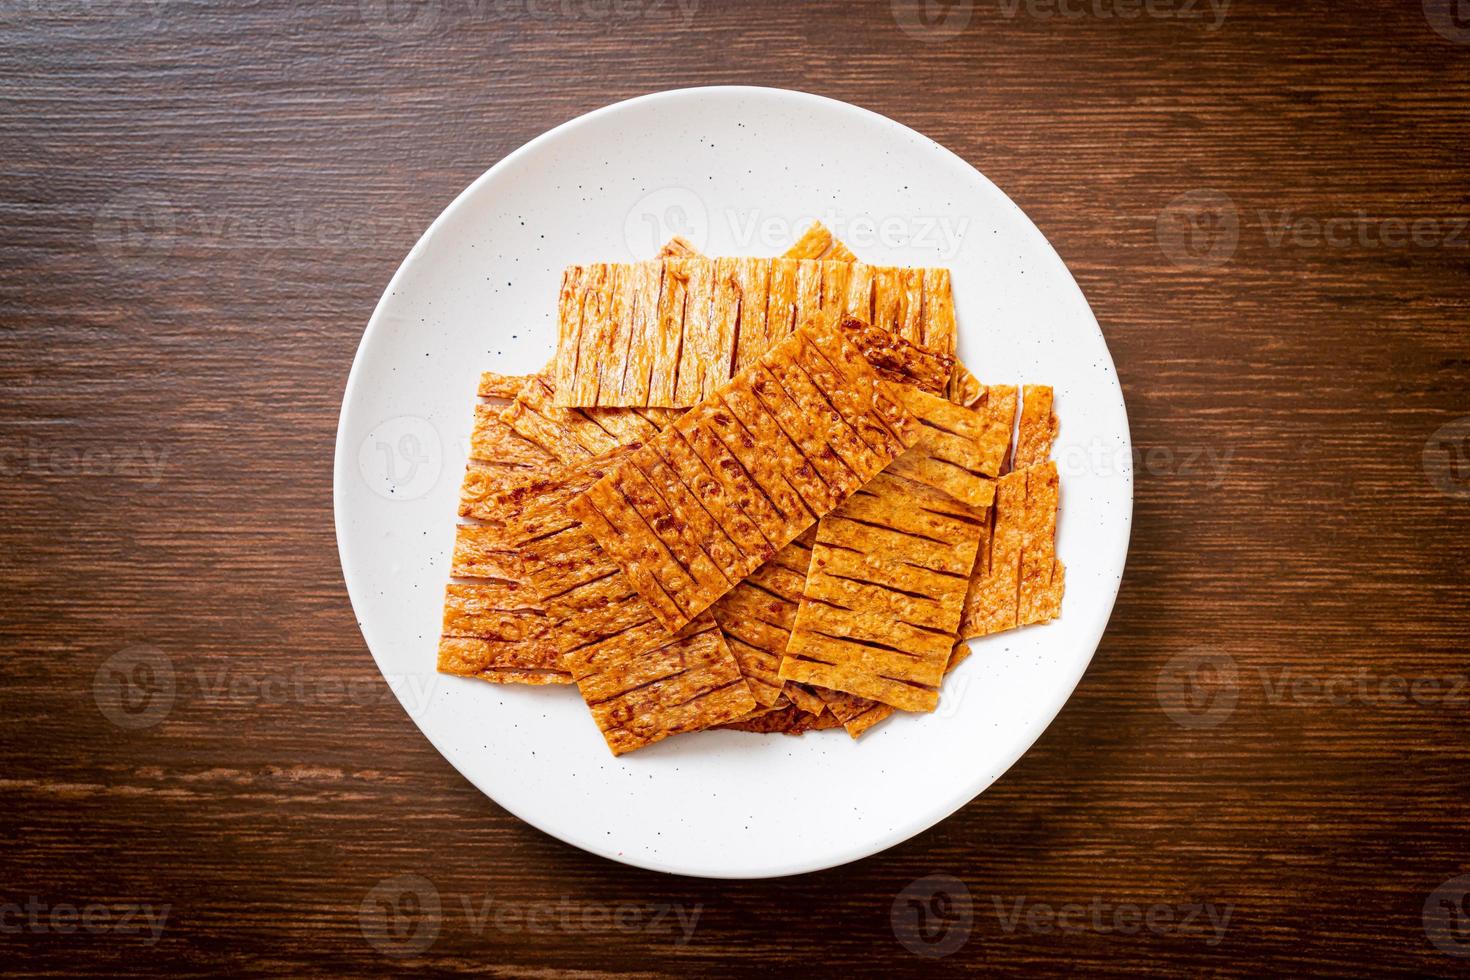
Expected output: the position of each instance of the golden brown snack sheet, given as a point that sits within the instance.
(501, 386)
(897, 359)
(494, 629)
(805, 697)
(676, 248)
(1038, 427)
(816, 243)
(964, 388)
(748, 280)
(963, 450)
(641, 682)
(940, 331)
(1017, 580)
(890, 568)
(499, 456)
(884, 597)
(858, 715)
(849, 708)
(770, 470)
(789, 720)
(759, 638)
(994, 588)
(668, 332)
(570, 434)
(1042, 577)
(756, 617)
(513, 450)
(999, 405)
(511, 447)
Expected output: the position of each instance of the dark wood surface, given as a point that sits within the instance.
(1242, 743)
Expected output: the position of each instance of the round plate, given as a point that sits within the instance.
(739, 171)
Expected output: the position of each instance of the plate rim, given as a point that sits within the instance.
(342, 462)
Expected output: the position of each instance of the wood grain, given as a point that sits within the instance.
(170, 403)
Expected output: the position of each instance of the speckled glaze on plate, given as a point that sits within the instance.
(738, 171)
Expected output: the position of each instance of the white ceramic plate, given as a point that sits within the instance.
(739, 171)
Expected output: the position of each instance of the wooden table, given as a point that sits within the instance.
(1265, 770)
